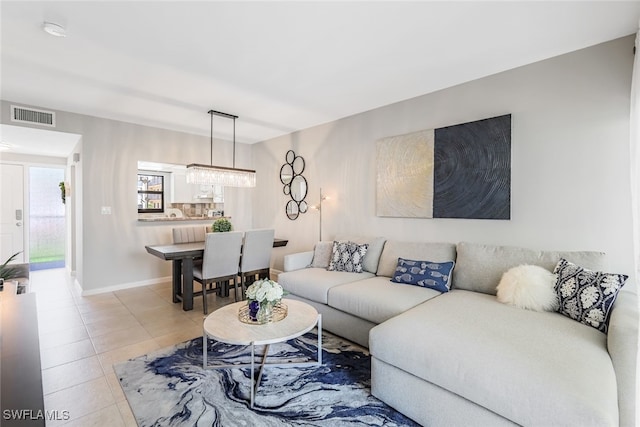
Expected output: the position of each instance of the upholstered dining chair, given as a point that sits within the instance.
(220, 262)
(189, 234)
(256, 256)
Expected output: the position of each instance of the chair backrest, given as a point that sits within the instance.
(221, 254)
(189, 234)
(256, 250)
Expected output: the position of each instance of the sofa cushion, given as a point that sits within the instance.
(534, 368)
(322, 252)
(428, 274)
(480, 267)
(393, 249)
(372, 257)
(377, 299)
(347, 256)
(585, 295)
(314, 283)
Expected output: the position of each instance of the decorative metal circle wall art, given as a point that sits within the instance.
(295, 185)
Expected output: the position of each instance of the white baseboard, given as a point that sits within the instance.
(70, 272)
(120, 287)
(274, 274)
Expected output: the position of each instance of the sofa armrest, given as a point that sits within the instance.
(297, 261)
(622, 343)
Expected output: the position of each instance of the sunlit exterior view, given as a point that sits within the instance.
(150, 193)
(46, 218)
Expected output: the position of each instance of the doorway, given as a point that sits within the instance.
(11, 212)
(47, 229)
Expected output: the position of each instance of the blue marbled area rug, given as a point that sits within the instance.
(170, 388)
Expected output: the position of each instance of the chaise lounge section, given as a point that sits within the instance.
(464, 358)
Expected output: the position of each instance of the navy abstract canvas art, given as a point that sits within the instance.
(472, 170)
(460, 171)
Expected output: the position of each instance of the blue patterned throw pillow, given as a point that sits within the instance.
(433, 275)
(347, 256)
(585, 295)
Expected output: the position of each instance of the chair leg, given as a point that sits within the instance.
(225, 288)
(204, 298)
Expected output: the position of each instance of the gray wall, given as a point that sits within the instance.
(570, 170)
(570, 160)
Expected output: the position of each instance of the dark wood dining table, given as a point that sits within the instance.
(181, 256)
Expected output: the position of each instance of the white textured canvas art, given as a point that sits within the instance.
(405, 175)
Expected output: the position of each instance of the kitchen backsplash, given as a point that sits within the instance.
(200, 209)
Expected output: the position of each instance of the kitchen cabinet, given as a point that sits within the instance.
(209, 193)
(181, 192)
(218, 194)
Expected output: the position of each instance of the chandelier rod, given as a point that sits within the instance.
(227, 116)
(211, 139)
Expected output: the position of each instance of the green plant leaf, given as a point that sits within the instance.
(221, 225)
(9, 272)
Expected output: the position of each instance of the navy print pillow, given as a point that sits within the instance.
(428, 274)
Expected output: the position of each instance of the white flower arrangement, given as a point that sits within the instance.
(265, 290)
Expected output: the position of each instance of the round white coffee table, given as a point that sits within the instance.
(223, 325)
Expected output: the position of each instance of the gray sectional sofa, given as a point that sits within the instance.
(463, 358)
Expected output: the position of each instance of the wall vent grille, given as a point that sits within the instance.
(33, 116)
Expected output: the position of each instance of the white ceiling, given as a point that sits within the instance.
(280, 66)
(23, 140)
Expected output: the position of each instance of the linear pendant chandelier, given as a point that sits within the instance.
(220, 175)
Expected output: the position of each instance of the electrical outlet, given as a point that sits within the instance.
(106, 210)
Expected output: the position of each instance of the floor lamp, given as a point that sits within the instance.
(319, 208)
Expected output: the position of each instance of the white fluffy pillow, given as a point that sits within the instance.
(530, 287)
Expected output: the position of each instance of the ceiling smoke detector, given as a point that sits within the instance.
(54, 29)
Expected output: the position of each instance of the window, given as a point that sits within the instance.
(150, 193)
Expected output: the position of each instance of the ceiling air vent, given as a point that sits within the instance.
(33, 116)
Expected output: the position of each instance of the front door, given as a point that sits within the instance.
(11, 212)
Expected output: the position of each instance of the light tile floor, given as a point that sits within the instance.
(81, 338)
